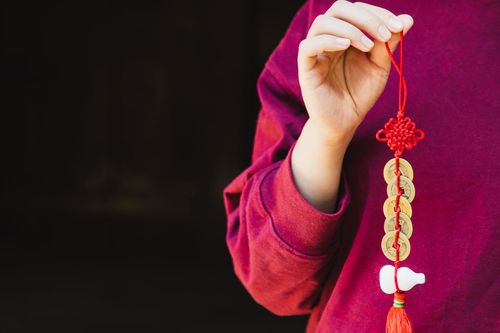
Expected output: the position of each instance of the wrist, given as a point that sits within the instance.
(316, 164)
(326, 138)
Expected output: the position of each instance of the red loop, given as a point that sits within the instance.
(379, 137)
(421, 136)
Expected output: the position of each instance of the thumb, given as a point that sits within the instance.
(379, 55)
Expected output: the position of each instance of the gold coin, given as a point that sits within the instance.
(390, 169)
(404, 222)
(406, 184)
(404, 205)
(390, 251)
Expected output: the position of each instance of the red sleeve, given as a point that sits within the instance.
(281, 245)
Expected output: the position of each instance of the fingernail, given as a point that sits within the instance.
(395, 24)
(384, 32)
(366, 42)
(343, 41)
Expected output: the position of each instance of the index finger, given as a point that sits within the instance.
(390, 19)
(360, 17)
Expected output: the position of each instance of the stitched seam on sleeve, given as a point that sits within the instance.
(279, 239)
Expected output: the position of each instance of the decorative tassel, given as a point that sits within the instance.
(397, 318)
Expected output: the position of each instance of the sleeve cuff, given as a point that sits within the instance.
(296, 222)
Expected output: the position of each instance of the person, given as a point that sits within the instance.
(305, 219)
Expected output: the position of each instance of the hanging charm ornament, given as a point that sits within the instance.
(399, 133)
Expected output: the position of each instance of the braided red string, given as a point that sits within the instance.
(400, 133)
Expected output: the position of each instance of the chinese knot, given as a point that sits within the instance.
(400, 133)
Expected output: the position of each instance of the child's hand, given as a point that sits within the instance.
(341, 71)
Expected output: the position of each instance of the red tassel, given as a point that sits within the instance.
(397, 318)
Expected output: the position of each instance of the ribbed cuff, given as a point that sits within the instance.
(296, 222)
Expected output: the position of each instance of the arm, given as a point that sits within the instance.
(317, 167)
(285, 209)
(280, 244)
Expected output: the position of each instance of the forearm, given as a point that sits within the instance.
(317, 166)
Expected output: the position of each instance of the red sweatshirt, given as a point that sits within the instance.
(294, 259)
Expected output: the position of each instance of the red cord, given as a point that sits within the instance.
(401, 112)
(398, 227)
(399, 133)
(403, 91)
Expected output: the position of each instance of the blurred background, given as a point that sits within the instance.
(122, 122)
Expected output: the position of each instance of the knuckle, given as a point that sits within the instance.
(354, 31)
(375, 20)
(336, 6)
(359, 35)
(387, 12)
(320, 23)
(302, 45)
(388, 15)
(319, 20)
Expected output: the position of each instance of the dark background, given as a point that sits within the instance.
(122, 121)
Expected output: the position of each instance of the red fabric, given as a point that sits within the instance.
(294, 259)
